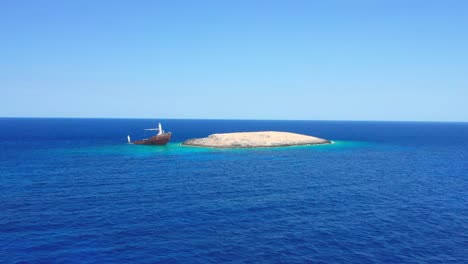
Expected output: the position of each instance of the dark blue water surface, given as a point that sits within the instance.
(73, 191)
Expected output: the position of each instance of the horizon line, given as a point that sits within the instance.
(233, 119)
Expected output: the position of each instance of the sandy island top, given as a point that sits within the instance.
(255, 140)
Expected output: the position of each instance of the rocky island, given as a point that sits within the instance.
(255, 140)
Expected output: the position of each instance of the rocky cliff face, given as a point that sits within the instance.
(255, 140)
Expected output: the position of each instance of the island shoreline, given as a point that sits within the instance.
(250, 140)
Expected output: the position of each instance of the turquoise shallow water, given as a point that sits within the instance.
(178, 149)
(73, 191)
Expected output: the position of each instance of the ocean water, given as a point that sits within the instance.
(73, 191)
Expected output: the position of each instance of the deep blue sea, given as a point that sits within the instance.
(74, 191)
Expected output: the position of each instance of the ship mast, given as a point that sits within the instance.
(161, 131)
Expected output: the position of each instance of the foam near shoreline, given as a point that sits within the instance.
(255, 140)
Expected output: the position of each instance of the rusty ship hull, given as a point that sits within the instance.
(155, 140)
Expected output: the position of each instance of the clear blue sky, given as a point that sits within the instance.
(317, 60)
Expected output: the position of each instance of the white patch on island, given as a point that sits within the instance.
(255, 140)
